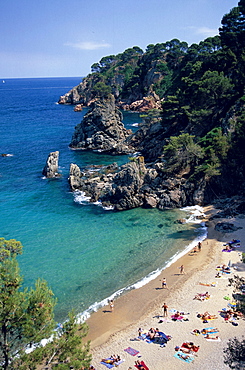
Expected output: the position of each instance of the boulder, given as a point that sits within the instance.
(226, 227)
(78, 108)
(51, 167)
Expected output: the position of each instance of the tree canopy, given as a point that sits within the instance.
(27, 317)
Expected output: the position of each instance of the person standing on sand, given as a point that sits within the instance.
(182, 269)
(199, 246)
(112, 305)
(165, 310)
(164, 283)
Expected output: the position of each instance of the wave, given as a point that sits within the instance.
(80, 197)
(194, 212)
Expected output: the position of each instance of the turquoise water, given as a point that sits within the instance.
(84, 252)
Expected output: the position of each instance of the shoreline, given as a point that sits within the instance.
(193, 212)
(107, 330)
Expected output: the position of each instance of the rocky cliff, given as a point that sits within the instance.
(194, 148)
(136, 184)
(102, 129)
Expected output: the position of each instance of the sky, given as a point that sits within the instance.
(60, 38)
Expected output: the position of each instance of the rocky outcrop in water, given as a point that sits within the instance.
(135, 184)
(102, 129)
(51, 167)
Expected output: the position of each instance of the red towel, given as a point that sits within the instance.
(143, 364)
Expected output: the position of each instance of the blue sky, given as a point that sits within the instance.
(60, 38)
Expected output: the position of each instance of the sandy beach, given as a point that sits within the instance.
(112, 332)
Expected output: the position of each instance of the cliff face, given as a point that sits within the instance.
(102, 129)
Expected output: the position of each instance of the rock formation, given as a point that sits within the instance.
(102, 129)
(134, 185)
(74, 177)
(78, 108)
(51, 168)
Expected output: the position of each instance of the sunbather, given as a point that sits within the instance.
(184, 357)
(211, 330)
(111, 360)
(191, 346)
(202, 296)
(209, 337)
(140, 365)
(207, 316)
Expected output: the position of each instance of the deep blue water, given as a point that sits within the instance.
(84, 252)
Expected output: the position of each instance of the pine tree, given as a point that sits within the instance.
(26, 315)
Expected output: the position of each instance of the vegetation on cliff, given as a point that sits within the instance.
(199, 132)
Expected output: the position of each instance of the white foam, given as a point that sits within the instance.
(80, 197)
(194, 214)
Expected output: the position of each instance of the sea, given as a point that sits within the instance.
(87, 254)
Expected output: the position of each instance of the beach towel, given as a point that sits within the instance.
(143, 364)
(160, 340)
(232, 304)
(131, 351)
(176, 318)
(181, 356)
(109, 366)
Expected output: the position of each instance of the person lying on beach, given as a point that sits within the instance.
(225, 268)
(202, 296)
(176, 315)
(140, 365)
(207, 316)
(237, 314)
(209, 331)
(111, 360)
(184, 350)
(184, 357)
(191, 346)
(209, 337)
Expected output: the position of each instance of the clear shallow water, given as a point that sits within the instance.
(84, 252)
